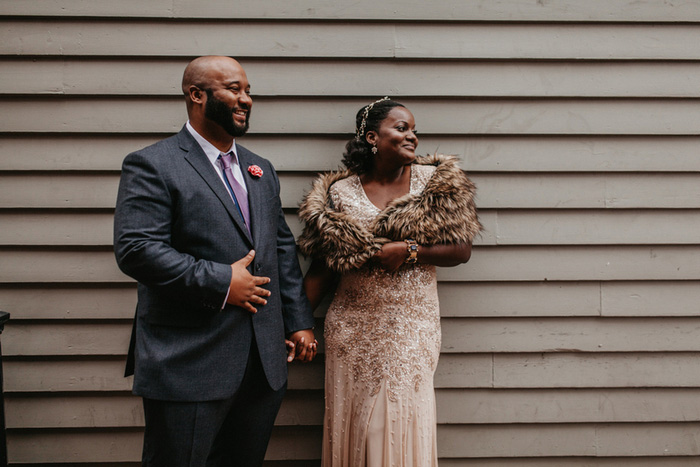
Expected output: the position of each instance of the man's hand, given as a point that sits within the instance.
(244, 290)
(301, 345)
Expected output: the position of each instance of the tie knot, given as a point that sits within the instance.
(226, 160)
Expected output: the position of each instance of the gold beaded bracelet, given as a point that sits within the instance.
(412, 248)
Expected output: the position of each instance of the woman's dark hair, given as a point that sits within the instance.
(358, 155)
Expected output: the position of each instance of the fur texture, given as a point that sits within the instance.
(444, 212)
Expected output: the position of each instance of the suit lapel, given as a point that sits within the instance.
(198, 160)
(256, 192)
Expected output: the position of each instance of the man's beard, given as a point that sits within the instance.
(220, 113)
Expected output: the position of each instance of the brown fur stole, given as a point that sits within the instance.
(444, 212)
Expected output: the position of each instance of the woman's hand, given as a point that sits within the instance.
(302, 346)
(391, 256)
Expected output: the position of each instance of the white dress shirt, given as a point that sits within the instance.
(213, 155)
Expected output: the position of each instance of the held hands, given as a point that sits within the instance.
(301, 346)
(391, 256)
(244, 290)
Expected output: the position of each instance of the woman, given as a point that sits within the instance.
(383, 225)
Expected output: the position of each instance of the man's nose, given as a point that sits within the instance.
(246, 99)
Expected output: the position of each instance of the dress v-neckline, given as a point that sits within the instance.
(411, 181)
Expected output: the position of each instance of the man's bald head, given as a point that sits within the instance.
(200, 71)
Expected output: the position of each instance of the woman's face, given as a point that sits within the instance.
(396, 136)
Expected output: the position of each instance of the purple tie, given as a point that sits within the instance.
(238, 191)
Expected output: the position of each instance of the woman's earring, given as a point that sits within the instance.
(374, 149)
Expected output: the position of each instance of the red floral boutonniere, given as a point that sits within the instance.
(255, 171)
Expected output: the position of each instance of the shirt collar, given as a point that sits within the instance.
(208, 148)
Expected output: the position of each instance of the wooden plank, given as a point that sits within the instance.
(505, 227)
(607, 440)
(444, 10)
(95, 446)
(363, 39)
(455, 406)
(583, 370)
(553, 370)
(69, 152)
(578, 334)
(42, 302)
(66, 228)
(107, 374)
(124, 410)
(87, 190)
(663, 117)
(73, 266)
(193, 38)
(585, 41)
(465, 299)
(648, 439)
(559, 263)
(513, 299)
(65, 375)
(459, 335)
(331, 78)
(128, 8)
(571, 154)
(650, 298)
(587, 190)
(517, 441)
(503, 263)
(666, 461)
(301, 408)
(59, 152)
(518, 190)
(510, 406)
(464, 371)
(549, 299)
(556, 191)
(476, 335)
(290, 443)
(56, 228)
(629, 194)
(504, 153)
(573, 370)
(65, 338)
(79, 411)
(575, 227)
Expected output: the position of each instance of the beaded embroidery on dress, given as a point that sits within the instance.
(382, 334)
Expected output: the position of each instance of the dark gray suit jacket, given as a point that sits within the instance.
(177, 231)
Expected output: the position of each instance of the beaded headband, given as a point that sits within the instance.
(361, 130)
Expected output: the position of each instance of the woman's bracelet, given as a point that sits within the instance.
(412, 248)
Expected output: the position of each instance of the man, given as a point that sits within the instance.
(219, 284)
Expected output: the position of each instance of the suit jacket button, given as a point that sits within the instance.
(258, 267)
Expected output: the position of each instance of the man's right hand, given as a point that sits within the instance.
(244, 290)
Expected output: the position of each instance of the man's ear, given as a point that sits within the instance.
(196, 94)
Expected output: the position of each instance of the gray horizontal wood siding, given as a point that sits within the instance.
(572, 337)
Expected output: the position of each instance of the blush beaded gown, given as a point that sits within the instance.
(382, 334)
